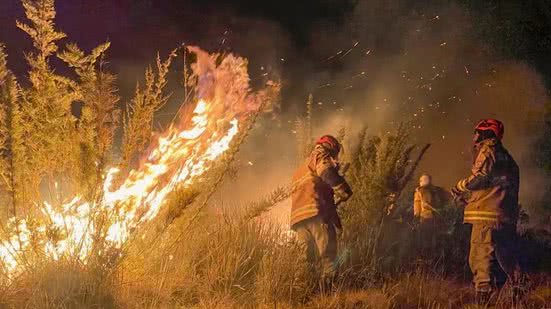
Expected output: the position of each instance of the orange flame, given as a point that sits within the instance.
(193, 150)
(178, 159)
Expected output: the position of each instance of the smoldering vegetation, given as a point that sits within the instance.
(406, 76)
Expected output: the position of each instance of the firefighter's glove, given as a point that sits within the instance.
(342, 193)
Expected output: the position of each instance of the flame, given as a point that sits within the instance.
(180, 156)
(144, 187)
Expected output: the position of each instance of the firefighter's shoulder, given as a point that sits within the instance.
(484, 160)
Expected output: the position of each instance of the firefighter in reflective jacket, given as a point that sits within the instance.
(491, 197)
(317, 190)
(428, 203)
(428, 200)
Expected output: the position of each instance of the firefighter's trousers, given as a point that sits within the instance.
(319, 240)
(427, 238)
(493, 256)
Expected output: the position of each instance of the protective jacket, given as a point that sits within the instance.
(492, 188)
(428, 201)
(316, 184)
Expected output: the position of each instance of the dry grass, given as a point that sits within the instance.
(424, 290)
(208, 258)
(221, 259)
(225, 261)
(366, 298)
(60, 284)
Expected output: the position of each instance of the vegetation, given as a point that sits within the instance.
(196, 256)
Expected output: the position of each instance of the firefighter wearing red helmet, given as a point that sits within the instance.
(491, 197)
(317, 190)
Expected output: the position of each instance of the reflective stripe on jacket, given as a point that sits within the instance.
(493, 186)
(311, 195)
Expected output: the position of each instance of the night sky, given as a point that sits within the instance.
(303, 33)
(139, 29)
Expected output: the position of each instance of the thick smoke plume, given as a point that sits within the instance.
(424, 67)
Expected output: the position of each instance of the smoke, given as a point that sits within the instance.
(440, 81)
(379, 63)
(420, 63)
(396, 63)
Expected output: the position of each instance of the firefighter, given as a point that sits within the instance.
(428, 203)
(317, 190)
(428, 200)
(491, 197)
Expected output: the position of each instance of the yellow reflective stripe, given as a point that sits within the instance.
(481, 213)
(462, 185)
(480, 219)
(307, 206)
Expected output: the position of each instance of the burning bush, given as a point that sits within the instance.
(64, 205)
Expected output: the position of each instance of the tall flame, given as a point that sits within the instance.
(180, 156)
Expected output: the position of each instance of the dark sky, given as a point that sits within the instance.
(269, 33)
(138, 29)
(303, 32)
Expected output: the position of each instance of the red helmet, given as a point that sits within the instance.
(493, 125)
(331, 141)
